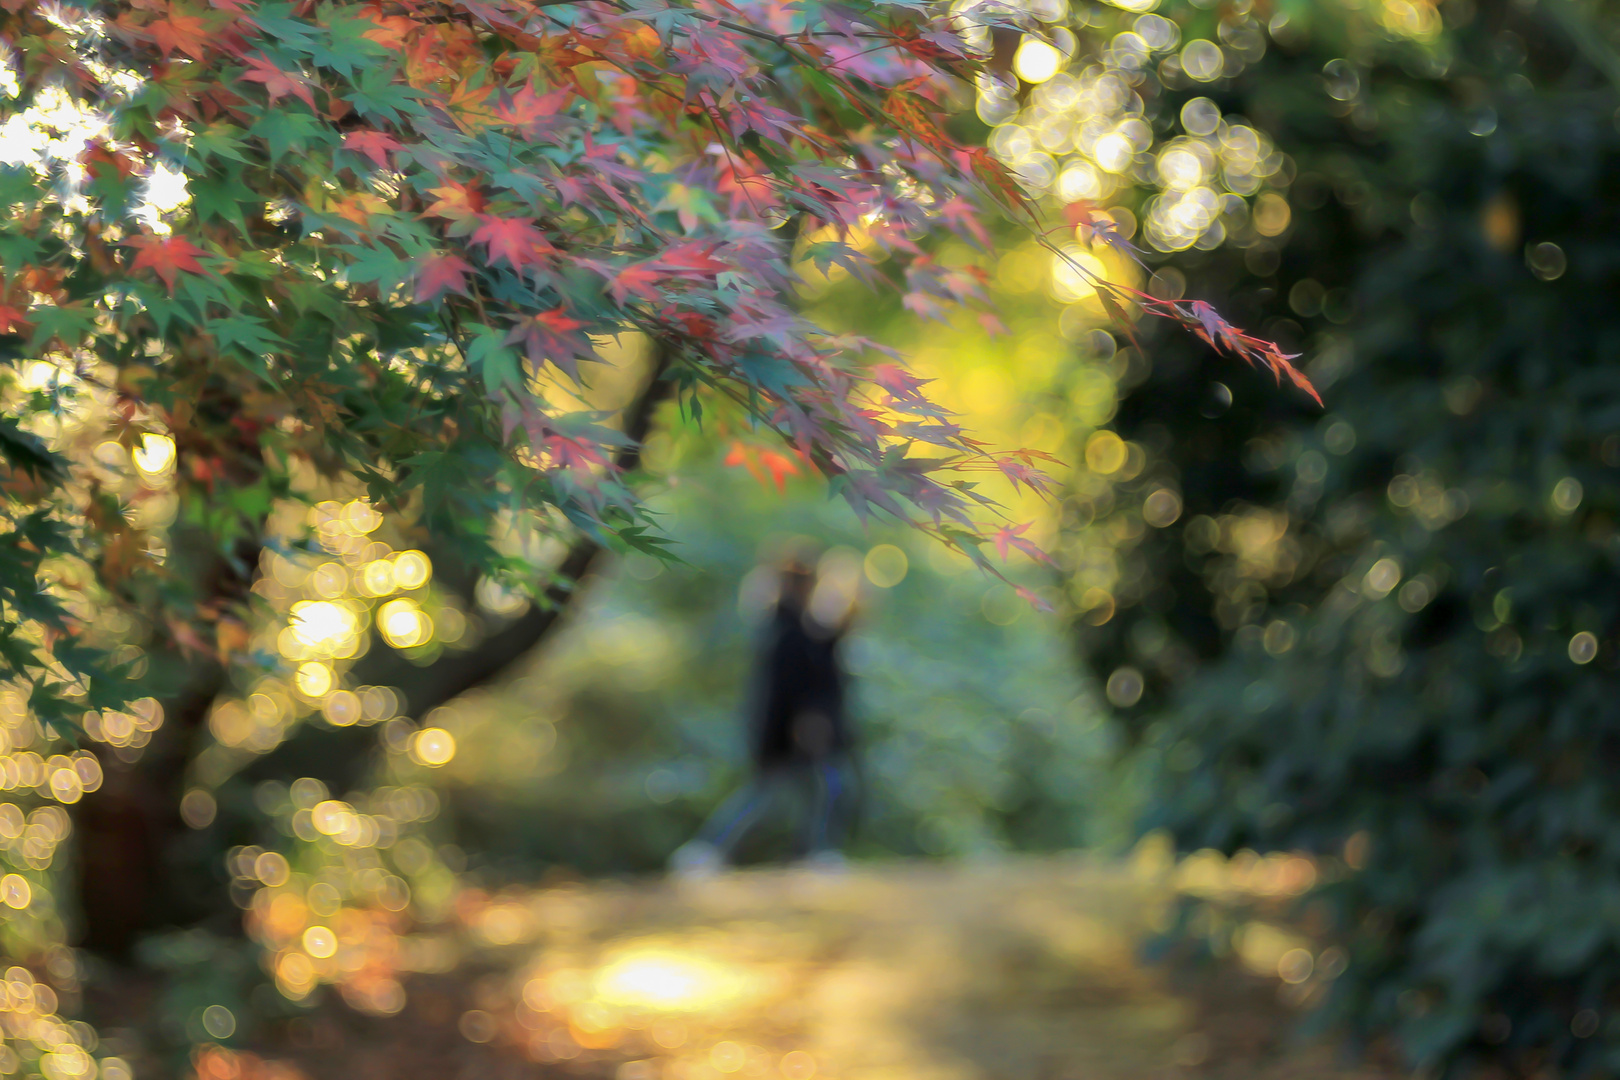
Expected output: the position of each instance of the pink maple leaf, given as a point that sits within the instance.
(963, 218)
(900, 383)
(1032, 600)
(693, 256)
(553, 337)
(440, 273)
(277, 83)
(1010, 537)
(374, 145)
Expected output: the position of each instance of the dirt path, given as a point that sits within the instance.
(1019, 970)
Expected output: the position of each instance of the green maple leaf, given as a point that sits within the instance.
(114, 190)
(17, 186)
(16, 655)
(68, 323)
(375, 264)
(488, 353)
(279, 25)
(163, 308)
(382, 100)
(217, 140)
(313, 297)
(285, 130)
(344, 47)
(17, 249)
(221, 196)
(259, 265)
(253, 500)
(246, 334)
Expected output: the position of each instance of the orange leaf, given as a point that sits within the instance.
(456, 200)
(188, 33)
(470, 105)
(165, 256)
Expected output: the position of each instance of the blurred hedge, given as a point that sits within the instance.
(1388, 633)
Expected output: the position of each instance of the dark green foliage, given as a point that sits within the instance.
(1366, 628)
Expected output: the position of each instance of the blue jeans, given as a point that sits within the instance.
(822, 787)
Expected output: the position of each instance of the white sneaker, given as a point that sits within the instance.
(696, 859)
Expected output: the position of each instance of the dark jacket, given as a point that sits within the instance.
(798, 706)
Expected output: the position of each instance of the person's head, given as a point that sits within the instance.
(797, 580)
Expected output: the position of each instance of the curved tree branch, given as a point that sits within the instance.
(339, 756)
(453, 673)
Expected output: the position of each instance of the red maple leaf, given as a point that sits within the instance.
(536, 115)
(12, 318)
(552, 336)
(456, 201)
(277, 83)
(514, 241)
(1215, 330)
(696, 324)
(693, 257)
(165, 256)
(374, 145)
(573, 455)
(440, 273)
(638, 280)
(188, 33)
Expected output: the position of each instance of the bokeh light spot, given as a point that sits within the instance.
(433, 747)
(320, 942)
(411, 570)
(886, 566)
(15, 891)
(1583, 648)
(1125, 687)
(1037, 61)
(1105, 453)
(219, 1021)
(314, 679)
(404, 624)
(1202, 60)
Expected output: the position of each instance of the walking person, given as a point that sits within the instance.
(799, 739)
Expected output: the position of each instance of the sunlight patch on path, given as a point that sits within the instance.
(1022, 969)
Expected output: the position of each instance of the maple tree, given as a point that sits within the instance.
(274, 274)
